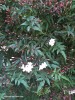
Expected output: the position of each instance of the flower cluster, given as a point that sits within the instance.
(51, 42)
(27, 68)
(42, 66)
(5, 48)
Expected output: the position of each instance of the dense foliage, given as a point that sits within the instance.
(37, 47)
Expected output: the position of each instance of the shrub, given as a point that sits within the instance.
(36, 38)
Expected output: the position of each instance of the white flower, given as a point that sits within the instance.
(27, 68)
(42, 66)
(52, 42)
(23, 66)
(12, 58)
(72, 91)
(4, 47)
(29, 64)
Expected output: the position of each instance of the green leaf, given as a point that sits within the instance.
(39, 79)
(16, 80)
(57, 85)
(25, 84)
(3, 7)
(65, 78)
(1, 59)
(24, 24)
(54, 66)
(40, 52)
(28, 28)
(19, 82)
(63, 54)
(56, 63)
(37, 28)
(41, 86)
(48, 81)
(12, 79)
(70, 30)
(20, 79)
(2, 96)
